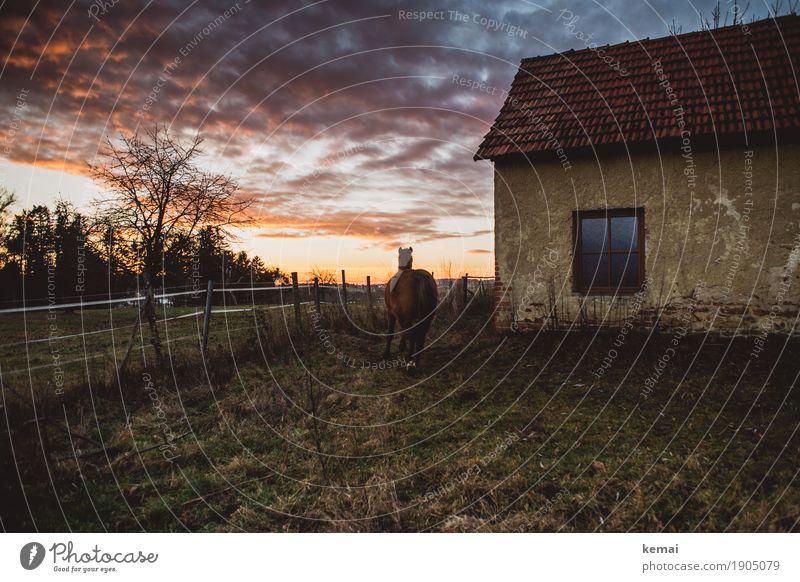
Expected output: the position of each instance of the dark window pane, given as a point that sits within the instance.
(624, 235)
(593, 235)
(594, 271)
(624, 270)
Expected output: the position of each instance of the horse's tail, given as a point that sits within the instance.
(427, 296)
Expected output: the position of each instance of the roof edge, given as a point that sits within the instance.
(648, 39)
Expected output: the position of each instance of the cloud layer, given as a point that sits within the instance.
(345, 118)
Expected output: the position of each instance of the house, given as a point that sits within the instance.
(654, 182)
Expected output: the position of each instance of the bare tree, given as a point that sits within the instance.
(776, 6)
(716, 16)
(324, 276)
(738, 15)
(157, 196)
(7, 199)
(716, 19)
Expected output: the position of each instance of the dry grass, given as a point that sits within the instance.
(493, 434)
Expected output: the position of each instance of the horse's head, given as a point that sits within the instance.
(404, 257)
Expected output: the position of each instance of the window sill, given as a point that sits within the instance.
(608, 292)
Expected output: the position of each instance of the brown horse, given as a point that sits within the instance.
(410, 302)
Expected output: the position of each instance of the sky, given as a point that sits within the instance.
(353, 124)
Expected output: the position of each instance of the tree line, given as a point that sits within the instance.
(62, 254)
(160, 222)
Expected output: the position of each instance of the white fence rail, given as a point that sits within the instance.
(291, 296)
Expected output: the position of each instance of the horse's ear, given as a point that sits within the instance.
(411, 249)
(399, 249)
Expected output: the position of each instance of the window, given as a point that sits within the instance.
(609, 250)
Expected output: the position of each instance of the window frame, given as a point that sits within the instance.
(577, 235)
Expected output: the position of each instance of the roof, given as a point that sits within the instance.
(726, 81)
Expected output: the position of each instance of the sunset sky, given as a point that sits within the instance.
(348, 121)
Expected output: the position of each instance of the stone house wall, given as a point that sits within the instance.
(722, 239)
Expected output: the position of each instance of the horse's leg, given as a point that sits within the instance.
(389, 336)
(403, 342)
(419, 344)
(419, 338)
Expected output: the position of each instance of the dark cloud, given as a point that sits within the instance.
(387, 228)
(281, 89)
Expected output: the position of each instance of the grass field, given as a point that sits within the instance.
(34, 332)
(279, 429)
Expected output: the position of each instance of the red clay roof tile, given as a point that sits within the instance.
(727, 81)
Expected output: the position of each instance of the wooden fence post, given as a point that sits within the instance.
(464, 281)
(344, 291)
(296, 293)
(132, 339)
(207, 316)
(369, 295)
(316, 295)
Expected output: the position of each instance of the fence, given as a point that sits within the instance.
(457, 294)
